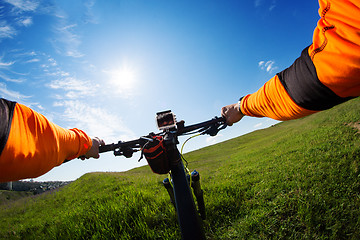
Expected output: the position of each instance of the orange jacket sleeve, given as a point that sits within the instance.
(326, 74)
(272, 101)
(35, 145)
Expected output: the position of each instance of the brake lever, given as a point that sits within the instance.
(125, 151)
(214, 129)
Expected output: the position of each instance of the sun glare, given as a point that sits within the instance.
(122, 78)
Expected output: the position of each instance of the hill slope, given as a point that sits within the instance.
(297, 179)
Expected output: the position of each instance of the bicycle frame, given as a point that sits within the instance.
(189, 220)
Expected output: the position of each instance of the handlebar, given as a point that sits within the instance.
(210, 127)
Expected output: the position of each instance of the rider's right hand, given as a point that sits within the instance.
(232, 113)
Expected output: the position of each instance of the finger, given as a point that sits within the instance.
(100, 141)
(223, 111)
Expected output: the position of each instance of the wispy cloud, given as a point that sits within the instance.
(5, 64)
(67, 84)
(6, 30)
(95, 121)
(25, 21)
(89, 13)
(268, 66)
(10, 79)
(17, 16)
(24, 5)
(9, 94)
(67, 41)
(61, 84)
(74, 88)
(265, 4)
(33, 60)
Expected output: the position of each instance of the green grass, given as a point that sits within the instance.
(296, 180)
(9, 196)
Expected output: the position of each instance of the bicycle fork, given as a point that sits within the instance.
(198, 192)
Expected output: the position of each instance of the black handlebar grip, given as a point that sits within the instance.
(106, 148)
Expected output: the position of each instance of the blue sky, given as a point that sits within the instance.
(108, 66)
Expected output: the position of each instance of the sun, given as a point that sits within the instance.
(122, 78)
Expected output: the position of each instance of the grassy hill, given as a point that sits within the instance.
(296, 180)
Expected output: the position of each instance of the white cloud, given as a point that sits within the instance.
(19, 53)
(33, 60)
(89, 13)
(11, 95)
(24, 5)
(5, 64)
(74, 88)
(258, 125)
(57, 72)
(95, 121)
(32, 53)
(15, 15)
(268, 66)
(52, 62)
(6, 31)
(27, 21)
(9, 79)
(67, 41)
(48, 63)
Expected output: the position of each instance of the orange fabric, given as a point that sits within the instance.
(336, 47)
(272, 101)
(336, 55)
(35, 145)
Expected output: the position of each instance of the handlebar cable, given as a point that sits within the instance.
(182, 147)
(183, 158)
